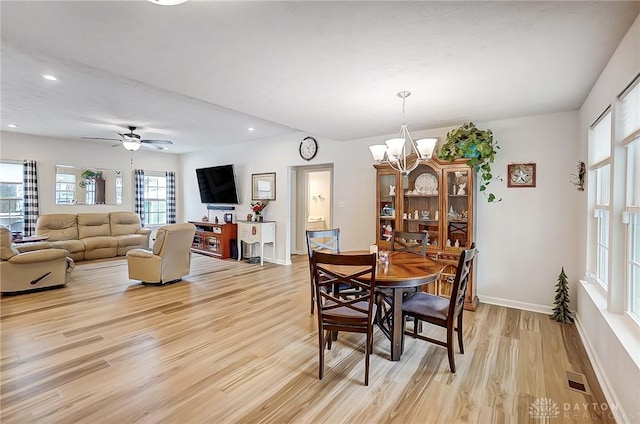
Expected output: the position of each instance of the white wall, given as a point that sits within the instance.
(319, 191)
(529, 223)
(49, 152)
(612, 341)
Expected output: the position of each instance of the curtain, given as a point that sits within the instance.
(139, 198)
(30, 190)
(171, 197)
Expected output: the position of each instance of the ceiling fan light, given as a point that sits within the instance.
(131, 145)
(167, 2)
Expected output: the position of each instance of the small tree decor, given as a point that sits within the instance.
(561, 312)
(478, 147)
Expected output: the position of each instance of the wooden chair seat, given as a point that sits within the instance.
(425, 306)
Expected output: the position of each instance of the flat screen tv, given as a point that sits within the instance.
(217, 184)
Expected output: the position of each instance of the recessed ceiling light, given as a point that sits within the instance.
(50, 77)
(12, 126)
(167, 2)
(251, 129)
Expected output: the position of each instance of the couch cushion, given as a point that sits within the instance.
(93, 225)
(123, 223)
(60, 226)
(100, 247)
(74, 247)
(131, 241)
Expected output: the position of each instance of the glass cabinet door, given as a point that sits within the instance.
(387, 205)
(457, 232)
(420, 203)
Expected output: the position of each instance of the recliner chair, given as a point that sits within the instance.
(170, 259)
(32, 270)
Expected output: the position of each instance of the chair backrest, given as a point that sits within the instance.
(323, 240)
(459, 286)
(353, 272)
(401, 242)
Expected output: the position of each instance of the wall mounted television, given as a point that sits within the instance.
(217, 185)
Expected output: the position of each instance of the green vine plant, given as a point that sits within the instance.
(478, 147)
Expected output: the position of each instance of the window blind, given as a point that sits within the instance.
(600, 140)
(630, 112)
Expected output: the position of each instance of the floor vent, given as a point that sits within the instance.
(577, 382)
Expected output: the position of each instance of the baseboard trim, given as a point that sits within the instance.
(618, 413)
(543, 309)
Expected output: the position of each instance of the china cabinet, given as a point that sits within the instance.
(436, 198)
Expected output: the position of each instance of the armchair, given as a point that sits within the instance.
(170, 258)
(31, 270)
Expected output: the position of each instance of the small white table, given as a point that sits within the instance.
(257, 232)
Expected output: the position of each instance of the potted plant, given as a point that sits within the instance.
(478, 147)
(89, 175)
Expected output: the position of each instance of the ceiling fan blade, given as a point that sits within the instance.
(157, 141)
(153, 146)
(117, 145)
(100, 138)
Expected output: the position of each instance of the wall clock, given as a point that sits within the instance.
(308, 148)
(521, 175)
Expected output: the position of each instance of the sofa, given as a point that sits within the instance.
(94, 235)
(32, 270)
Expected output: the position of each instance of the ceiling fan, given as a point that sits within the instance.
(132, 142)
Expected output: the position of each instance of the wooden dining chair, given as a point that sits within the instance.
(355, 313)
(327, 241)
(439, 311)
(404, 241)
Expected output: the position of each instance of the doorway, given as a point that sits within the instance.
(312, 203)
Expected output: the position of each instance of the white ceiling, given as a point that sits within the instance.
(202, 72)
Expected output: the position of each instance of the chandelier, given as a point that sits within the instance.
(396, 151)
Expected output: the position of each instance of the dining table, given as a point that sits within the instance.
(401, 271)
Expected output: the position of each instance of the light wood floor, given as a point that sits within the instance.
(235, 343)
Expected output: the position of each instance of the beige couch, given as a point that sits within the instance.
(94, 235)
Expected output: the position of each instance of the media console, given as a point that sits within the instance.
(214, 239)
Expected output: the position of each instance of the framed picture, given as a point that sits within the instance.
(521, 175)
(263, 186)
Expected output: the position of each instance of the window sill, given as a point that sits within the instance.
(622, 325)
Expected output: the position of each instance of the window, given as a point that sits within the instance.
(11, 196)
(155, 198)
(90, 192)
(65, 189)
(600, 152)
(630, 127)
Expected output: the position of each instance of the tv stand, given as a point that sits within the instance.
(214, 239)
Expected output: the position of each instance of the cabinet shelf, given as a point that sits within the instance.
(445, 180)
(214, 239)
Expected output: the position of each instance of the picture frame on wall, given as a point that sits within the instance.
(521, 175)
(263, 186)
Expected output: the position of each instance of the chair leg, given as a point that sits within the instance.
(366, 358)
(404, 325)
(313, 297)
(460, 333)
(452, 363)
(321, 354)
(416, 324)
(329, 337)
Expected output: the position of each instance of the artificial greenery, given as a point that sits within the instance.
(91, 175)
(478, 147)
(561, 312)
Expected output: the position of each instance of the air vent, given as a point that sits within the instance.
(577, 382)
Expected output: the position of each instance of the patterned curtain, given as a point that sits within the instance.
(139, 181)
(31, 204)
(171, 197)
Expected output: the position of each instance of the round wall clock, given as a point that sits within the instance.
(308, 148)
(522, 175)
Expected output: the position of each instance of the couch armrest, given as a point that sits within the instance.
(38, 256)
(140, 253)
(30, 247)
(145, 231)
